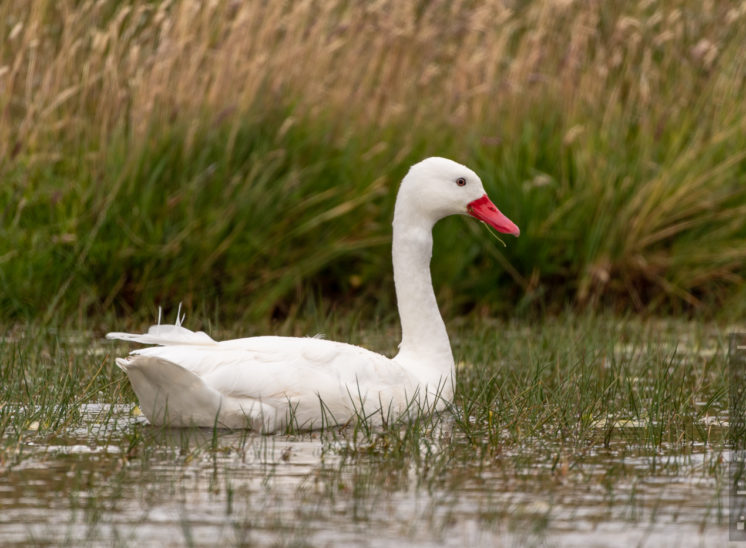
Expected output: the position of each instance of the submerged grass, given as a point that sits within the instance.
(618, 421)
(153, 152)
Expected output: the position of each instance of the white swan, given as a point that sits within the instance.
(264, 383)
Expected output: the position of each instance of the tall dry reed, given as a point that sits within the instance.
(628, 117)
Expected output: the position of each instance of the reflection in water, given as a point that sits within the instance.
(113, 479)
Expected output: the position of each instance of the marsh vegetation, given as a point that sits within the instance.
(155, 152)
(243, 157)
(575, 429)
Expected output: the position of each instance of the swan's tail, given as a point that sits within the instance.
(165, 335)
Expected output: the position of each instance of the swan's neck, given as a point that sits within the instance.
(425, 349)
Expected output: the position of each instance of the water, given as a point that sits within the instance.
(109, 478)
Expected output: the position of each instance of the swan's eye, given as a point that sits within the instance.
(461, 181)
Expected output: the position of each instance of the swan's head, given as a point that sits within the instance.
(437, 187)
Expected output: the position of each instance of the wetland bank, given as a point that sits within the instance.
(577, 430)
(244, 157)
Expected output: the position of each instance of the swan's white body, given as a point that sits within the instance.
(268, 383)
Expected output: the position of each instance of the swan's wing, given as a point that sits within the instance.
(279, 370)
(319, 380)
(308, 374)
(310, 364)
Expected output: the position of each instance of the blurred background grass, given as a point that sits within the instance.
(245, 155)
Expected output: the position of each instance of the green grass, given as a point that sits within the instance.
(591, 414)
(261, 227)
